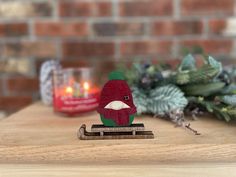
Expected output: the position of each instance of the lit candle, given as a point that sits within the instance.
(74, 92)
(86, 89)
(69, 91)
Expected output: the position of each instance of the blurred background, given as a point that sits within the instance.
(102, 33)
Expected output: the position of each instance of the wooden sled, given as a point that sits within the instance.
(101, 132)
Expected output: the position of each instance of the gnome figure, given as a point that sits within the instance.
(116, 107)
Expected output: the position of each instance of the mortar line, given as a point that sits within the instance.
(205, 28)
(31, 29)
(115, 16)
(59, 53)
(176, 7)
(107, 19)
(55, 10)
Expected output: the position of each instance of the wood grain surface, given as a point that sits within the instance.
(180, 170)
(36, 135)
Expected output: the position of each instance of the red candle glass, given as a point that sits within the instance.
(74, 91)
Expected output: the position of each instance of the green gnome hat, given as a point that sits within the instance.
(116, 75)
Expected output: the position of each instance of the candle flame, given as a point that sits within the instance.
(86, 85)
(69, 90)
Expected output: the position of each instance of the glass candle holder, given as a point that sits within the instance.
(75, 91)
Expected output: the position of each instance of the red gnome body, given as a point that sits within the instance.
(116, 105)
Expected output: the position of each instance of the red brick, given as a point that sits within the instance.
(75, 63)
(146, 8)
(103, 9)
(61, 29)
(222, 46)
(170, 28)
(217, 26)
(14, 103)
(12, 9)
(118, 29)
(146, 47)
(22, 85)
(107, 65)
(85, 9)
(65, 63)
(90, 49)
(207, 7)
(103, 68)
(29, 48)
(13, 29)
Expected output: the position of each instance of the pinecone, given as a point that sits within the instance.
(145, 81)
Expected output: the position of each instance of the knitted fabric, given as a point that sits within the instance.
(46, 89)
(117, 90)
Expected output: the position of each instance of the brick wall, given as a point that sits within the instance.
(97, 32)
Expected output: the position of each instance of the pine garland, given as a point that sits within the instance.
(163, 92)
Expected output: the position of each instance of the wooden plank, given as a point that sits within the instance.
(38, 135)
(180, 170)
(133, 127)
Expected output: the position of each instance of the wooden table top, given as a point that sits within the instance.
(37, 138)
